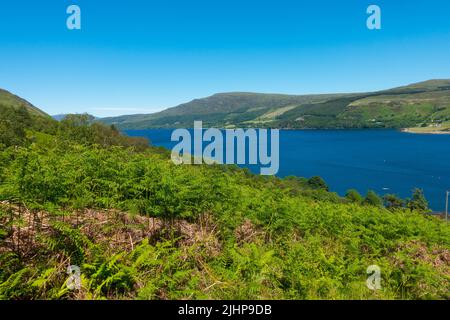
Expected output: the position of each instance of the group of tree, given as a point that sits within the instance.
(417, 202)
(18, 127)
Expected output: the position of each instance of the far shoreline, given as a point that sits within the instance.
(419, 131)
(403, 130)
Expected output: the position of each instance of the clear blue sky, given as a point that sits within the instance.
(140, 56)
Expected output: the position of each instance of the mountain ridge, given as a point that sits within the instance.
(416, 104)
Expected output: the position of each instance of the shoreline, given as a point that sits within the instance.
(404, 130)
(418, 131)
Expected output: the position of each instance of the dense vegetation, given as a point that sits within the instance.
(139, 227)
(422, 104)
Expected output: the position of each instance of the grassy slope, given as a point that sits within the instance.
(223, 109)
(8, 99)
(411, 105)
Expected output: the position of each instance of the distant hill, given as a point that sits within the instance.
(225, 109)
(62, 116)
(59, 117)
(418, 104)
(7, 99)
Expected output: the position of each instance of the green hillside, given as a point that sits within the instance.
(76, 193)
(419, 104)
(223, 108)
(17, 115)
(8, 99)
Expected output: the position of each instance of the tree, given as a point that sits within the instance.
(13, 125)
(392, 201)
(78, 119)
(373, 199)
(317, 183)
(418, 201)
(354, 196)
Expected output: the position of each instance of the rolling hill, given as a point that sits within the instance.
(420, 104)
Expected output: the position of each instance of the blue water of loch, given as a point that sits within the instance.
(386, 161)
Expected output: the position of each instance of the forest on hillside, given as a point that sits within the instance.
(77, 193)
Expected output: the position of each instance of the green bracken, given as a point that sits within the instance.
(140, 227)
